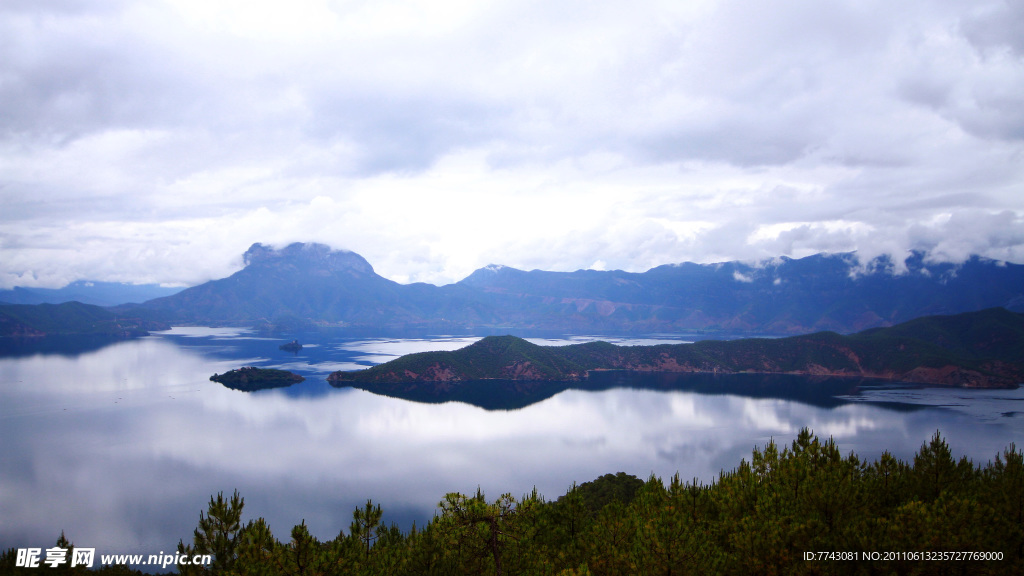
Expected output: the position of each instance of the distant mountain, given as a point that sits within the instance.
(95, 293)
(784, 296)
(70, 318)
(979, 349)
(304, 284)
(301, 284)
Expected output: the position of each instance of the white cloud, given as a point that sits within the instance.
(157, 141)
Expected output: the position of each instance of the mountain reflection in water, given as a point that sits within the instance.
(823, 392)
(122, 446)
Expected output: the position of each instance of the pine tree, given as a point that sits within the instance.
(364, 524)
(257, 549)
(935, 471)
(485, 529)
(216, 535)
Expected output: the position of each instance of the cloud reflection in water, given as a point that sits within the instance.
(122, 447)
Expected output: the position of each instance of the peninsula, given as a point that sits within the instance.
(977, 350)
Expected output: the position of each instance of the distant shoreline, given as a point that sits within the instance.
(973, 350)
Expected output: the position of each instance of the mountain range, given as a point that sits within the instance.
(303, 285)
(95, 293)
(308, 285)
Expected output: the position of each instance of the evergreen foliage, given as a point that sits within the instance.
(218, 532)
(249, 378)
(762, 517)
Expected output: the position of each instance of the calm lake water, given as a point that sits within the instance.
(122, 446)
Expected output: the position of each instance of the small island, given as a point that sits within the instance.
(250, 379)
(292, 346)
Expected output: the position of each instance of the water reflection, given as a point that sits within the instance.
(121, 447)
(58, 345)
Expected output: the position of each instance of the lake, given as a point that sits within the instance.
(122, 445)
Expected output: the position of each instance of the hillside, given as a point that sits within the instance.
(980, 349)
(70, 318)
(305, 285)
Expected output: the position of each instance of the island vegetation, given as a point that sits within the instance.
(292, 346)
(250, 379)
(978, 349)
(801, 508)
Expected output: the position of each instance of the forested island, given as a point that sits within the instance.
(932, 515)
(249, 378)
(292, 346)
(979, 349)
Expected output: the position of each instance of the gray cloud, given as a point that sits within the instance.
(996, 25)
(435, 138)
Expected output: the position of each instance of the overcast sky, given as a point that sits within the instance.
(155, 141)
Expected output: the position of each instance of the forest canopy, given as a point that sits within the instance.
(776, 513)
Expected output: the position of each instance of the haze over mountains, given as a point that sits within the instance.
(311, 284)
(95, 293)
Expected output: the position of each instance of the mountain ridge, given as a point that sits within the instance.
(87, 292)
(982, 349)
(70, 319)
(311, 284)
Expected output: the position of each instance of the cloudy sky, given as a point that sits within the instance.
(155, 141)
